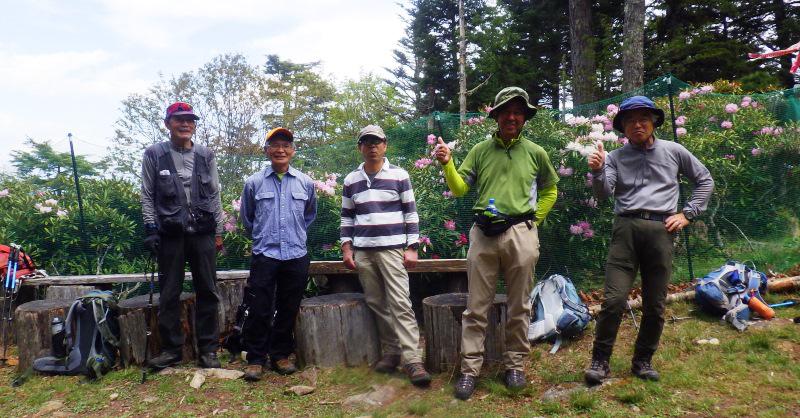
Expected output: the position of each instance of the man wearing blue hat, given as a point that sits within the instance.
(642, 177)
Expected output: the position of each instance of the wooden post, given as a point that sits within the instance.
(32, 322)
(335, 330)
(67, 292)
(443, 330)
(133, 313)
(231, 293)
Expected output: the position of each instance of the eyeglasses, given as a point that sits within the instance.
(280, 146)
(184, 118)
(637, 120)
(372, 142)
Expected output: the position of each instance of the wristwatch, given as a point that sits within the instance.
(689, 215)
(414, 246)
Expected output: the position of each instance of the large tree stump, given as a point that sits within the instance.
(443, 330)
(133, 316)
(337, 329)
(32, 323)
(67, 292)
(230, 293)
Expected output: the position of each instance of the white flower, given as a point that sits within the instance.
(51, 202)
(61, 213)
(596, 136)
(45, 209)
(578, 120)
(610, 136)
(597, 127)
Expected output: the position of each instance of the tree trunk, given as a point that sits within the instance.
(133, 318)
(32, 321)
(67, 292)
(584, 78)
(335, 330)
(462, 64)
(231, 294)
(443, 330)
(783, 38)
(633, 45)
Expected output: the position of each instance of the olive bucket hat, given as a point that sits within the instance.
(637, 102)
(507, 95)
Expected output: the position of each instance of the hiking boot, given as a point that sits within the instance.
(164, 360)
(644, 370)
(417, 374)
(284, 366)
(465, 386)
(208, 361)
(515, 379)
(253, 372)
(597, 372)
(388, 363)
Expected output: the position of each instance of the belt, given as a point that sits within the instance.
(649, 216)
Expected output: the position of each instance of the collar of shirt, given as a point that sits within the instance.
(291, 171)
(649, 148)
(384, 167)
(181, 149)
(499, 141)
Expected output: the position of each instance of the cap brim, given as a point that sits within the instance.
(618, 117)
(281, 132)
(362, 138)
(180, 113)
(530, 111)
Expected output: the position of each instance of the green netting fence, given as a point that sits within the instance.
(751, 144)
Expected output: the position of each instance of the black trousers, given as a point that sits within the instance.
(201, 253)
(636, 244)
(273, 294)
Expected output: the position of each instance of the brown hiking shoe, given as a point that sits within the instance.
(388, 363)
(417, 374)
(253, 372)
(597, 372)
(284, 366)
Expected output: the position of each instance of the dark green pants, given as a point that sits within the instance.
(636, 244)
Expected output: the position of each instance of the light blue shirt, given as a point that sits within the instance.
(276, 212)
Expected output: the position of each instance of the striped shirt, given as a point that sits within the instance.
(381, 213)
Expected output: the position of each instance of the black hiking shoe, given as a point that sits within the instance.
(388, 363)
(597, 372)
(644, 370)
(417, 374)
(515, 379)
(164, 360)
(465, 386)
(208, 361)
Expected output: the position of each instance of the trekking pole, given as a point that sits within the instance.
(148, 317)
(9, 286)
(633, 316)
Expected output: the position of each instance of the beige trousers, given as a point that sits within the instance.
(385, 283)
(514, 253)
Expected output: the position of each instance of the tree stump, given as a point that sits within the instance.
(67, 292)
(133, 314)
(231, 293)
(337, 329)
(443, 330)
(32, 323)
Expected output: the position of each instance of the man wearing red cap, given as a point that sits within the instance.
(278, 205)
(183, 222)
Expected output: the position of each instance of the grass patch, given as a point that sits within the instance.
(583, 400)
(419, 408)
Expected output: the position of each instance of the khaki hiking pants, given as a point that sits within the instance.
(514, 253)
(385, 283)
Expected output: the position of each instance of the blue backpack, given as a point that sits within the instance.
(557, 311)
(724, 292)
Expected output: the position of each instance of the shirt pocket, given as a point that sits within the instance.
(299, 201)
(265, 217)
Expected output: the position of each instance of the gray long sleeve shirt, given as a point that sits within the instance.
(184, 163)
(647, 179)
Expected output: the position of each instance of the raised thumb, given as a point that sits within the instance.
(440, 141)
(600, 146)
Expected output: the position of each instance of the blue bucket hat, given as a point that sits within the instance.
(637, 102)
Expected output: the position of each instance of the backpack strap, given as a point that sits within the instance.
(101, 319)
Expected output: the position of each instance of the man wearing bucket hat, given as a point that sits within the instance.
(278, 205)
(642, 177)
(380, 237)
(517, 175)
(183, 221)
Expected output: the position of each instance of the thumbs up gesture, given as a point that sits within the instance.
(597, 158)
(442, 152)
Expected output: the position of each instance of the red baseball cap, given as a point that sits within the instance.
(180, 108)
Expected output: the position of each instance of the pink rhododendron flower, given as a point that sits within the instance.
(730, 157)
(237, 204)
(706, 89)
(590, 202)
(450, 225)
(767, 130)
(612, 109)
(461, 241)
(680, 131)
(447, 194)
(4, 193)
(712, 119)
(431, 139)
(608, 126)
(424, 240)
(229, 227)
(487, 109)
(685, 95)
(731, 108)
(777, 131)
(323, 187)
(575, 230)
(565, 171)
(423, 162)
(726, 124)
(623, 140)
(680, 120)
(755, 152)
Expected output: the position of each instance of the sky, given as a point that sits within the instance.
(65, 66)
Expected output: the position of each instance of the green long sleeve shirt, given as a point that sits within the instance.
(519, 176)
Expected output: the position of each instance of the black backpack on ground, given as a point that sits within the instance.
(90, 338)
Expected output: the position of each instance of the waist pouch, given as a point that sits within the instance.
(496, 225)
